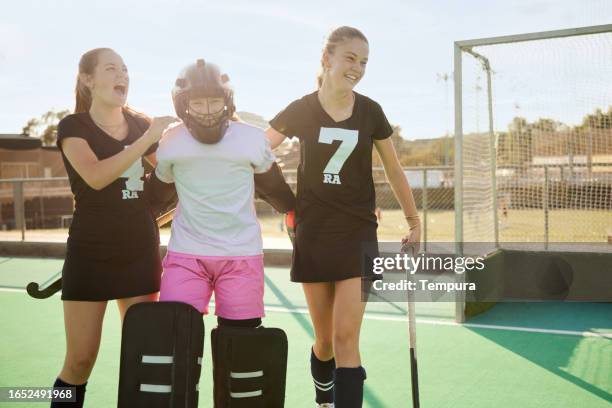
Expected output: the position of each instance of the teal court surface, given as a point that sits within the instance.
(515, 355)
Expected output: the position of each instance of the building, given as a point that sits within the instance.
(47, 204)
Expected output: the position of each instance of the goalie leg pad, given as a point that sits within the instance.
(249, 367)
(161, 356)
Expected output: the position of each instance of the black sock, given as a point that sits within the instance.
(80, 395)
(349, 387)
(323, 377)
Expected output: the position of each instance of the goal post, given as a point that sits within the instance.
(533, 139)
(555, 85)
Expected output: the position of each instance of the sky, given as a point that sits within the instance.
(270, 49)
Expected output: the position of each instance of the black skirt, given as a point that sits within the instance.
(97, 273)
(330, 256)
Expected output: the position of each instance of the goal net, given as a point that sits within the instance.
(534, 137)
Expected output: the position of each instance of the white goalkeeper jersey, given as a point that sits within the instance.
(215, 215)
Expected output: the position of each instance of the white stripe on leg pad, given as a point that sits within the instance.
(246, 394)
(158, 359)
(163, 389)
(251, 374)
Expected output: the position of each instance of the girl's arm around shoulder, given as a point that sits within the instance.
(286, 122)
(264, 157)
(100, 173)
(273, 189)
(275, 137)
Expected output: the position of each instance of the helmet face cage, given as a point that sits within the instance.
(201, 80)
(208, 118)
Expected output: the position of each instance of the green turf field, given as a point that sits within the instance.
(518, 226)
(516, 355)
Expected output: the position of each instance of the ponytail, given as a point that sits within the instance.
(83, 97)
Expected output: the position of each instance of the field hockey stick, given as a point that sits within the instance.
(414, 374)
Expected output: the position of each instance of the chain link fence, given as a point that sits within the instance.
(40, 209)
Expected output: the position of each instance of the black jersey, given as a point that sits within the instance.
(117, 215)
(335, 186)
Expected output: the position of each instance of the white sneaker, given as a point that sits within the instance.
(326, 405)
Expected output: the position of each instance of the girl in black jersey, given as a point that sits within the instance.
(335, 211)
(113, 242)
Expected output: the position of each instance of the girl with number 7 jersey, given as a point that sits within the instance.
(335, 212)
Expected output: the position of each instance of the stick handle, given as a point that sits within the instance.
(411, 321)
(414, 372)
(415, 379)
(165, 218)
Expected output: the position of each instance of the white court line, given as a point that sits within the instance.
(11, 290)
(437, 322)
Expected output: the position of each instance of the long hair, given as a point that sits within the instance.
(334, 38)
(87, 64)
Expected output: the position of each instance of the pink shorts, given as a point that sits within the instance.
(238, 283)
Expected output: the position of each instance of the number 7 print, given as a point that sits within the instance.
(348, 140)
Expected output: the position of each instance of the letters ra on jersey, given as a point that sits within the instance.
(133, 182)
(348, 141)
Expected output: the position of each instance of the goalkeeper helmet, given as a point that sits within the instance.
(203, 80)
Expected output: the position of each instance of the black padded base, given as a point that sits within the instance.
(161, 356)
(249, 367)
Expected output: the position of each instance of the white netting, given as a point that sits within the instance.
(552, 117)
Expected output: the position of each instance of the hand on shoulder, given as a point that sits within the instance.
(159, 125)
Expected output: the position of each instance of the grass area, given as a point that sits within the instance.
(518, 226)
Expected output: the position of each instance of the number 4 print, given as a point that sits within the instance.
(134, 183)
(348, 141)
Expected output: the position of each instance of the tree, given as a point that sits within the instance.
(598, 120)
(45, 126)
(520, 135)
(398, 143)
(546, 125)
(397, 139)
